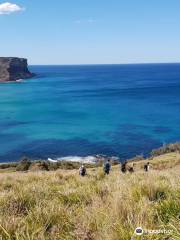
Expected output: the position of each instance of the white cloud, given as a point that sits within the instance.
(8, 8)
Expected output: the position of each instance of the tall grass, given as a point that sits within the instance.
(62, 205)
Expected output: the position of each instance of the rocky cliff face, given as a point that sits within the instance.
(12, 69)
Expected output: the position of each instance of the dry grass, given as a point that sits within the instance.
(165, 161)
(61, 205)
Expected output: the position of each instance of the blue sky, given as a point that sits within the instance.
(91, 31)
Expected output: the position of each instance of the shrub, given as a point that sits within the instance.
(168, 210)
(24, 164)
(39, 166)
(166, 149)
(8, 165)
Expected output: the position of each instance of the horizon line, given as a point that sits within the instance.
(95, 64)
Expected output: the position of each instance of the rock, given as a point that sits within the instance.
(13, 69)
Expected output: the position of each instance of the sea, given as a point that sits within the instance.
(79, 111)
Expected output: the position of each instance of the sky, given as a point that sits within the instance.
(91, 31)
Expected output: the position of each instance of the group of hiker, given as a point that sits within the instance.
(107, 168)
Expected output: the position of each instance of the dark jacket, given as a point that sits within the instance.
(107, 167)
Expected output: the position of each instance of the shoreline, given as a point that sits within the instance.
(13, 81)
(73, 162)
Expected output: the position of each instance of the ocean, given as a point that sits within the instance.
(116, 110)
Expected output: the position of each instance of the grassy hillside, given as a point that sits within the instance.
(62, 205)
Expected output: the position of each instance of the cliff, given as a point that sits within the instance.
(12, 69)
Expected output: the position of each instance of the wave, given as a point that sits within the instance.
(87, 159)
(19, 80)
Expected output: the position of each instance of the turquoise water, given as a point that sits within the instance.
(119, 110)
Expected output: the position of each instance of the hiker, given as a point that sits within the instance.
(147, 167)
(124, 167)
(107, 167)
(131, 169)
(82, 171)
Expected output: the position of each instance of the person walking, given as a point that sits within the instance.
(131, 169)
(82, 171)
(107, 167)
(124, 167)
(147, 167)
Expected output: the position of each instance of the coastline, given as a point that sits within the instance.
(14, 81)
(73, 162)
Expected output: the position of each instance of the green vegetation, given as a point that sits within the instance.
(168, 148)
(25, 164)
(60, 204)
